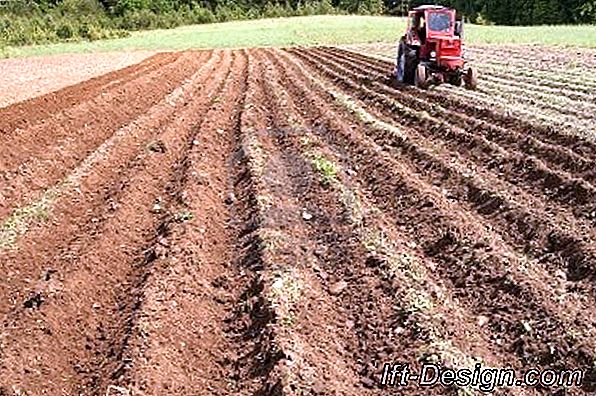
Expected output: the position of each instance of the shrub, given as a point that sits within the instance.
(80, 7)
(587, 12)
(19, 7)
(201, 15)
(223, 13)
(324, 7)
(122, 7)
(138, 20)
(277, 11)
(65, 30)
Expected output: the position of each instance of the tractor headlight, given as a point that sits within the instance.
(433, 54)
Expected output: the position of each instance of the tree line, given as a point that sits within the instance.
(502, 12)
(511, 12)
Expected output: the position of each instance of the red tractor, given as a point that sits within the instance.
(431, 50)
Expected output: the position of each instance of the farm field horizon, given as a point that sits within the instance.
(306, 31)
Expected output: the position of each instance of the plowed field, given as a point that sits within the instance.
(283, 222)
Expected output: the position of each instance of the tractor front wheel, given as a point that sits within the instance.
(471, 79)
(420, 78)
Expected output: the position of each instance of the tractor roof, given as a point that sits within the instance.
(429, 7)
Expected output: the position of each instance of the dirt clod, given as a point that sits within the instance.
(338, 287)
(34, 300)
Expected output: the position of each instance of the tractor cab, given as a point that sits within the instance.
(433, 44)
(432, 22)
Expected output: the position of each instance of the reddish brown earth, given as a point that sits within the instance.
(283, 222)
(25, 78)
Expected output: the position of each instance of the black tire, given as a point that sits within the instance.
(455, 79)
(411, 64)
(421, 77)
(409, 58)
(400, 63)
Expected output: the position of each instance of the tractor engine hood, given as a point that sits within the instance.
(447, 52)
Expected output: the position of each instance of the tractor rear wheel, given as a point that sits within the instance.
(421, 77)
(406, 64)
(411, 63)
(471, 79)
(400, 66)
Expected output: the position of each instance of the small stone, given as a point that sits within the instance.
(48, 274)
(157, 147)
(306, 216)
(561, 274)
(230, 199)
(195, 142)
(399, 330)
(338, 287)
(527, 326)
(161, 251)
(320, 251)
(482, 320)
(96, 306)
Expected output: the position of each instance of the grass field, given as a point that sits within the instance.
(307, 31)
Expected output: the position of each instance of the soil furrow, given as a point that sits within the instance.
(81, 317)
(576, 163)
(256, 369)
(477, 268)
(189, 286)
(508, 123)
(97, 179)
(386, 268)
(574, 193)
(560, 100)
(289, 275)
(383, 67)
(31, 111)
(268, 222)
(544, 59)
(528, 224)
(327, 246)
(39, 157)
(527, 228)
(533, 115)
(572, 89)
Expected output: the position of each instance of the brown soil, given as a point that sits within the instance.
(25, 78)
(283, 222)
